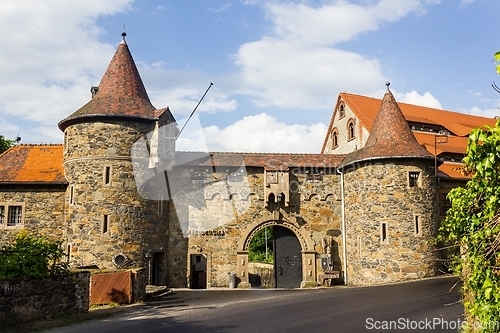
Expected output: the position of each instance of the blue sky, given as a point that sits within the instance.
(277, 66)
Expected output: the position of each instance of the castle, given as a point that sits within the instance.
(119, 195)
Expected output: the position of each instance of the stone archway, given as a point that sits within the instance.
(306, 242)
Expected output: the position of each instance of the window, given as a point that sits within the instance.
(11, 214)
(350, 130)
(15, 215)
(71, 194)
(197, 176)
(445, 204)
(341, 111)
(414, 179)
(418, 227)
(160, 204)
(335, 138)
(314, 177)
(107, 175)
(68, 254)
(383, 232)
(105, 224)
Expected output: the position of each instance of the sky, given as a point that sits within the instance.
(277, 67)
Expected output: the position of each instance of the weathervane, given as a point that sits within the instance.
(123, 32)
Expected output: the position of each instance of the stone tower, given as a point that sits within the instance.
(109, 223)
(390, 195)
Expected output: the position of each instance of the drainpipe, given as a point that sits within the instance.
(344, 245)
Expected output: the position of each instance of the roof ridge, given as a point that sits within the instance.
(420, 106)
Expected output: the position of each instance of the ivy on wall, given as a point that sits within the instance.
(472, 226)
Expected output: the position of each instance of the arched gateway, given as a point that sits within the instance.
(295, 258)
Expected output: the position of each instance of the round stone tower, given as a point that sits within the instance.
(109, 224)
(391, 203)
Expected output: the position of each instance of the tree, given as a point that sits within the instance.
(472, 225)
(257, 250)
(33, 256)
(5, 143)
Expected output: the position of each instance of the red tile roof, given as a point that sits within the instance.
(121, 92)
(390, 136)
(32, 164)
(459, 124)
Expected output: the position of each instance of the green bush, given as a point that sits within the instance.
(32, 256)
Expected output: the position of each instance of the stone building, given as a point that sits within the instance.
(119, 195)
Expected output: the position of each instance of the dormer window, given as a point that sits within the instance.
(350, 130)
(335, 138)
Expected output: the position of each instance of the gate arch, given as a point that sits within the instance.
(306, 242)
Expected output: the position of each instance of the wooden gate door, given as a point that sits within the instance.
(287, 258)
(109, 288)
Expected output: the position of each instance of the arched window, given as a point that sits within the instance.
(350, 130)
(335, 138)
(341, 111)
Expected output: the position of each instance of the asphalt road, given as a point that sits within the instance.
(422, 306)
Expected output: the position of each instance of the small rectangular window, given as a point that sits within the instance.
(107, 175)
(71, 194)
(2, 214)
(413, 178)
(198, 176)
(416, 221)
(160, 204)
(314, 177)
(68, 254)
(105, 224)
(383, 232)
(15, 215)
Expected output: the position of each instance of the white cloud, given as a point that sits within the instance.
(259, 133)
(415, 98)
(298, 65)
(490, 113)
(50, 56)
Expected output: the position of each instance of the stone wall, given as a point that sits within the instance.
(23, 300)
(43, 211)
(378, 195)
(261, 275)
(210, 221)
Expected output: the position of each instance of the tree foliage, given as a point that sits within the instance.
(5, 143)
(257, 246)
(33, 256)
(472, 224)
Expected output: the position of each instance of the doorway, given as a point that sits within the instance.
(287, 258)
(157, 268)
(198, 271)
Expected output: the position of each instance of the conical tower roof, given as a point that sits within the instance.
(120, 93)
(390, 137)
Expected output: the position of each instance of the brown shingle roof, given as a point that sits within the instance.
(32, 164)
(271, 161)
(390, 136)
(121, 92)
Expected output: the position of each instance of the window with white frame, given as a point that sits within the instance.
(15, 216)
(11, 214)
